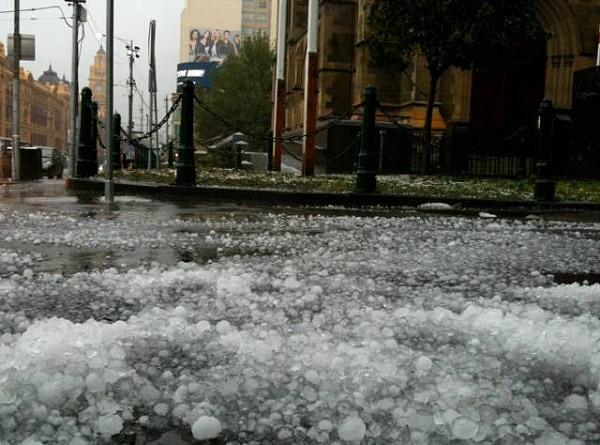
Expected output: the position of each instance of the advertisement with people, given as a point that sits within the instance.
(213, 45)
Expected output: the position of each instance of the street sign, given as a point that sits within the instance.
(27, 47)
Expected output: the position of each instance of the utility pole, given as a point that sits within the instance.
(132, 52)
(168, 144)
(73, 140)
(142, 131)
(279, 116)
(310, 90)
(16, 155)
(109, 184)
(152, 90)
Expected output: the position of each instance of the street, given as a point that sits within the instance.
(177, 322)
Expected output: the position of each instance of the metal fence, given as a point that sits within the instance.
(501, 166)
(458, 160)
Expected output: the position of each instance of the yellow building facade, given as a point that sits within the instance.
(97, 82)
(44, 107)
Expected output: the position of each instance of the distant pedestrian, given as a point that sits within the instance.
(129, 156)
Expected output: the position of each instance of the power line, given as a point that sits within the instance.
(141, 96)
(95, 34)
(137, 69)
(92, 22)
(32, 19)
(7, 11)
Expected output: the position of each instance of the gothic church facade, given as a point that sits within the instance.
(493, 102)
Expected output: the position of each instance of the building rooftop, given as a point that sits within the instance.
(49, 76)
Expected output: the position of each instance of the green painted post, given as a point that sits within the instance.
(545, 186)
(366, 181)
(84, 148)
(117, 155)
(186, 165)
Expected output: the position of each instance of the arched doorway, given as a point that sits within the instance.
(505, 98)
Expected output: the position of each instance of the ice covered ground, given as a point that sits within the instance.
(299, 329)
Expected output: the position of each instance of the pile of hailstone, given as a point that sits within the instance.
(308, 329)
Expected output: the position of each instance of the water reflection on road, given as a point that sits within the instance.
(52, 196)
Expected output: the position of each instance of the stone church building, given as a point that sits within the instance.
(493, 103)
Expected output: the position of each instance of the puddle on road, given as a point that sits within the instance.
(574, 277)
(69, 261)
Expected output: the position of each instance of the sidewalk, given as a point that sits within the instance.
(345, 199)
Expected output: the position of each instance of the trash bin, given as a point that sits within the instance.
(31, 163)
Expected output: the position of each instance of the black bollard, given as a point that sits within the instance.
(239, 147)
(186, 165)
(366, 181)
(545, 186)
(84, 148)
(94, 140)
(117, 155)
(170, 154)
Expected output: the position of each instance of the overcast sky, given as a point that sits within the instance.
(132, 20)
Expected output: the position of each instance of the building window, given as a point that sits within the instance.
(261, 17)
(57, 120)
(262, 5)
(38, 116)
(248, 3)
(247, 16)
(38, 139)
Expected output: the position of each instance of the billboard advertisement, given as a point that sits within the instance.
(197, 72)
(213, 45)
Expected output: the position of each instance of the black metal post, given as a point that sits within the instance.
(170, 154)
(186, 165)
(239, 148)
(366, 181)
(545, 186)
(84, 148)
(94, 139)
(117, 155)
(236, 148)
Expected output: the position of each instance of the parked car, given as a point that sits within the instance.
(53, 162)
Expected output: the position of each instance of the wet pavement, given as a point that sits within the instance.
(429, 280)
(52, 196)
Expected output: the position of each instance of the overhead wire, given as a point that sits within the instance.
(32, 19)
(95, 34)
(40, 9)
(92, 22)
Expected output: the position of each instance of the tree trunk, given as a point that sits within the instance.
(427, 147)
